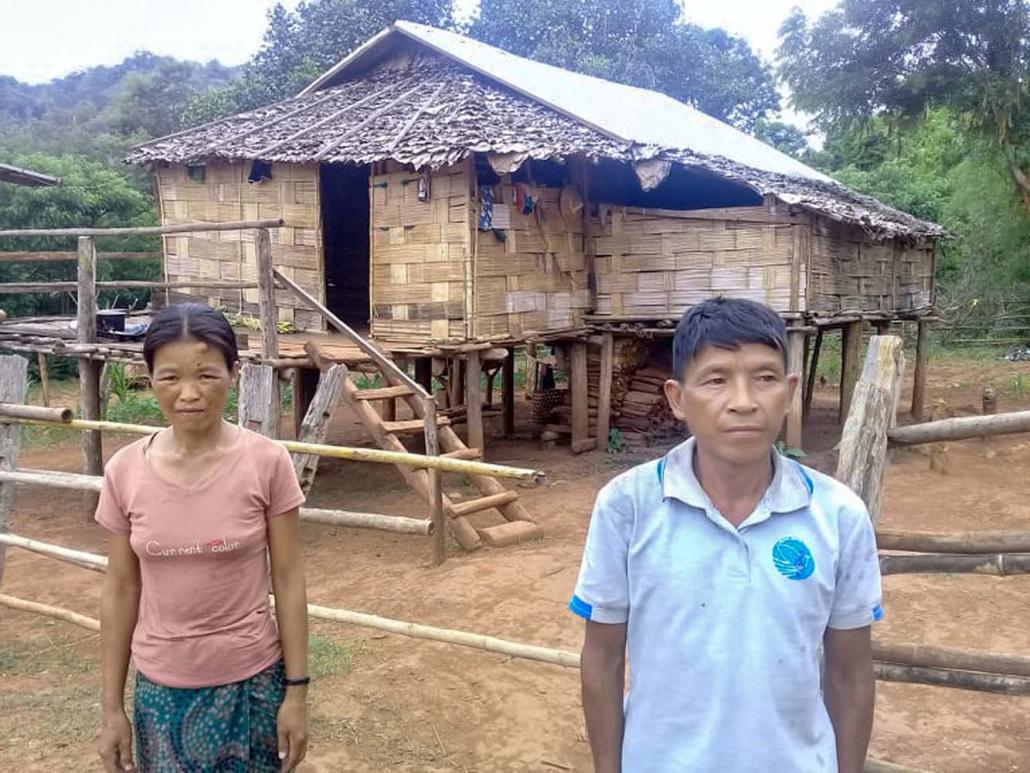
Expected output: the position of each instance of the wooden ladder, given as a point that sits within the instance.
(518, 526)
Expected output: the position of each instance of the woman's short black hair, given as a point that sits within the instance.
(190, 320)
(726, 323)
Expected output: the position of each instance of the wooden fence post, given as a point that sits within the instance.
(258, 408)
(919, 377)
(436, 510)
(269, 317)
(862, 463)
(89, 370)
(314, 426)
(13, 389)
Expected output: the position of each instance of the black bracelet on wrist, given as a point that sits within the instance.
(297, 682)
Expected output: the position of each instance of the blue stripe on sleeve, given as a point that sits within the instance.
(877, 613)
(580, 607)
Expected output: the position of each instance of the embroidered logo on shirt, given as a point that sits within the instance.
(793, 559)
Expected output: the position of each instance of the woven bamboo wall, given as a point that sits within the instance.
(657, 263)
(535, 280)
(225, 195)
(852, 273)
(421, 255)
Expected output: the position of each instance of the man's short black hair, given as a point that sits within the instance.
(726, 323)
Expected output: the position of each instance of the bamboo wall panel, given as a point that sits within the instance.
(852, 273)
(225, 194)
(421, 254)
(534, 278)
(659, 264)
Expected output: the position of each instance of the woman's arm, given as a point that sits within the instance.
(291, 610)
(119, 608)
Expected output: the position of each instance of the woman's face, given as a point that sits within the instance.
(191, 383)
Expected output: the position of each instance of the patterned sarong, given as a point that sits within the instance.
(226, 729)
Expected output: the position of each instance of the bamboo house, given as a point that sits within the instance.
(443, 195)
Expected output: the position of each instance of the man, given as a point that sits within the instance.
(735, 575)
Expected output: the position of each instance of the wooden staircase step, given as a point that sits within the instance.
(510, 533)
(470, 454)
(411, 425)
(461, 509)
(383, 393)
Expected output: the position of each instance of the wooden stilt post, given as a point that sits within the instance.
(89, 370)
(44, 379)
(268, 318)
(508, 390)
(474, 402)
(813, 365)
(305, 384)
(919, 380)
(578, 388)
(13, 389)
(795, 367)
(604, 394)
(851, 365)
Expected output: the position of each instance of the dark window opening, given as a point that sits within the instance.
(345, 223)
(612, 182)
(195, 172)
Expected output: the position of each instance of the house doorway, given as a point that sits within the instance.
(345, 223)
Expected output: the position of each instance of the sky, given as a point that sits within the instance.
(45, 39)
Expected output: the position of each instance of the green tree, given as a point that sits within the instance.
(641, 43)
(897, 58)
(299, 45)
(785, 137)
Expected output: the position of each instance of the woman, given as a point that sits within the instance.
(191, 511)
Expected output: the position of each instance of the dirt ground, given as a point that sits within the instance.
(387, 703)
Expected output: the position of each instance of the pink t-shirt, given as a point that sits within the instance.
(204, 617)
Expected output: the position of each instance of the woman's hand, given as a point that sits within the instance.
(292, 727)
(116, 743)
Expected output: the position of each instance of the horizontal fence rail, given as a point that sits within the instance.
(157, 230)
(441, 463)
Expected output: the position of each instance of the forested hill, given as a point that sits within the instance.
(144, 94)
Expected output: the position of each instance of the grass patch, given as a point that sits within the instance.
(48, 718)
(327, 657)
(22, 660)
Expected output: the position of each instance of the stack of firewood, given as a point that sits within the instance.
(643, 417)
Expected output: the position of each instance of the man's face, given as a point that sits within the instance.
(733, 401)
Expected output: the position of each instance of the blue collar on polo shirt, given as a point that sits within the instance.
(790, 489)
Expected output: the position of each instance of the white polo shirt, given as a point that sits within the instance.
(725, 625)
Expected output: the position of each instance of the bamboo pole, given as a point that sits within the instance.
(448, 636)
(927, 655)
(23, 605)
(968, 542)
(961, 428)
(945, 677)
(86, 560)
(31, 256)
(14, 288)
(44, 379)
(437, 516)
(377, 455)
(796, 367)
(393, 523)
(999, 565)
(184, 228)
(62, 415)
(68, 480)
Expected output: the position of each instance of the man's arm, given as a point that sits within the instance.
(849, 690)
(602, 670)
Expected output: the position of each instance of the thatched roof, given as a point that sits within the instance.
(18, 176)
(448, 96)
